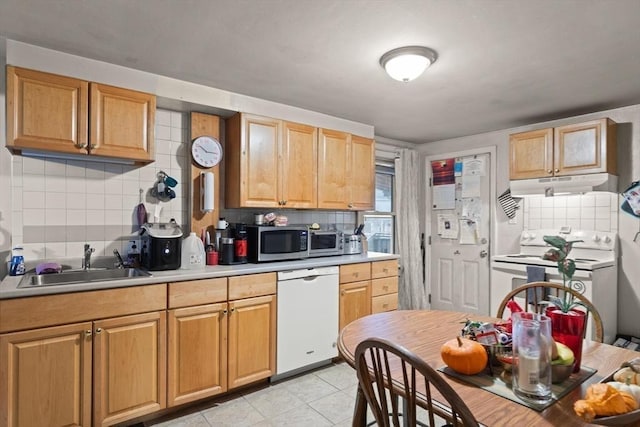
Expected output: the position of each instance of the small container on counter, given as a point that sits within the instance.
(227, 251)
(193, 256)
(17, 267)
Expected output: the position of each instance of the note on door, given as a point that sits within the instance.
(468, 232)
(447, 226)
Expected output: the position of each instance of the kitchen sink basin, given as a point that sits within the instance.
(81, 276)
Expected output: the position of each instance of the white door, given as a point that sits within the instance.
(459, 267)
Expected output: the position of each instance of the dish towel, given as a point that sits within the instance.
(536, 273)
(509, 204)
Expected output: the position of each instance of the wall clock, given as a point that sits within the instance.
(206, 151)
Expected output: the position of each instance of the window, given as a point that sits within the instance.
(379, 225)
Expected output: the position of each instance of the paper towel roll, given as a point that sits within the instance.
(206, 192)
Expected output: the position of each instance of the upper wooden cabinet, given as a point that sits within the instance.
(122, 123)
(575, 149)
(270, 163)
(47, 112)
(346, 169)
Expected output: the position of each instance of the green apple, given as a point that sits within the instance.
(565, 355)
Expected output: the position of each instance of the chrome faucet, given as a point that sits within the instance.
(86, 260)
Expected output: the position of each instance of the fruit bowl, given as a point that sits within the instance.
(559, 373)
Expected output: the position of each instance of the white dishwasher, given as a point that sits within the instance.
(307, 318)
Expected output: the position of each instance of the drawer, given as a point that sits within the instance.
(50, 310)
(252, 285)
(355, 272)
(384, 268)
(197, 292)
(384, 303)
(387, 285)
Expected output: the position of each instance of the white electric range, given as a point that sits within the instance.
(596, 259)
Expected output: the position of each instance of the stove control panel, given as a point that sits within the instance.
(585, 239)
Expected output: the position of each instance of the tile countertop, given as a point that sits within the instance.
(9, 286)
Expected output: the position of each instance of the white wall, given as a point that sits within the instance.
(628, 170)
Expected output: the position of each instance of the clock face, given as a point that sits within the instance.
(206, 151)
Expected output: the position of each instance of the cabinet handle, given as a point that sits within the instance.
(81, 145)
(342, 293)
(233, 309)
(284, 202)
(350, 205)
(557, 170)
(224, 311)
(98, 330)
(549, 171)
(385, 288)
(87, 333)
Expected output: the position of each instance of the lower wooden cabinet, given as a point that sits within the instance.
(45, 377)
(129, 367)
(366, 288)
(252, 328)
(46, 374)
(197, 352)
(384, 286)
(252, 340)
(355, 301)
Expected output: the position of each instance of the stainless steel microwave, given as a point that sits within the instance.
(325, 243)
(269, 243)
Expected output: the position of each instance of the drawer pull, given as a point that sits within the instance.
(98, 330)
(87, 333)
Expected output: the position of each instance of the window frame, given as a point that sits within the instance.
(384, 167)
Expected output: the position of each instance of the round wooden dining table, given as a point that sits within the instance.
(424, 331)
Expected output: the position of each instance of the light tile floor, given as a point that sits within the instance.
(322, 397)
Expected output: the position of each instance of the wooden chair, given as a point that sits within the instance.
(375, 359)
(537, 292)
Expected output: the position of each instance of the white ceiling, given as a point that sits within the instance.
(501, 63)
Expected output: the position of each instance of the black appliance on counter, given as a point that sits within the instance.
(161, 246)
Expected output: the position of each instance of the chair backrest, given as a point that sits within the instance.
(531, 295)
(378, 359)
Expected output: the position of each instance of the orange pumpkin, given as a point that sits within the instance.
(464, 356)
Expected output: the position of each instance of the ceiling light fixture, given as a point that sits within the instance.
(407, 63)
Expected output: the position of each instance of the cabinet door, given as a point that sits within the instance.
(129, 367)
(334, 167)
(259, 166)
(45, 377)
(197, 353)
(355, 301)
(299, 166)
(363, 165)
(531, 154)
(122, 123)
(585, 148)
(252, 340)
(46, 111)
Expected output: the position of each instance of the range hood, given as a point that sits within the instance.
(575, 184)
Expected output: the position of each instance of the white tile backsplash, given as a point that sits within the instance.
(591, 211)
(64, 203)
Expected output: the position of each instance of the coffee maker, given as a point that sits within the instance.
(233, 246)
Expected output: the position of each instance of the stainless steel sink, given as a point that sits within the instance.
(81, 276)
